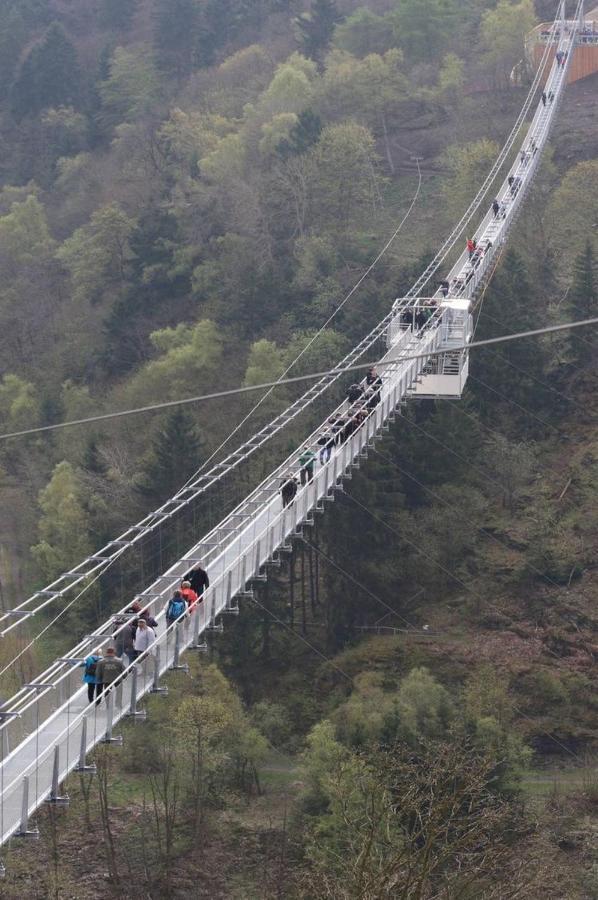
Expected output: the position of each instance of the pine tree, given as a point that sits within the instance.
(174, 456)
(584, 302)
(315, 28)
(510, 305)
(117, 14)
(175, 34)
(49, 76)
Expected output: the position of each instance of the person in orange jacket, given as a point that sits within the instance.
(189, 594)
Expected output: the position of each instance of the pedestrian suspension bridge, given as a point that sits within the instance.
(48, 728)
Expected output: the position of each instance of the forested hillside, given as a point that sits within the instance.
(188, 191)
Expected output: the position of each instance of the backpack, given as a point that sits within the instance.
(175, 609)
(91, 666)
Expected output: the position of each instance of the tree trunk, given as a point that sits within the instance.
(387, 147)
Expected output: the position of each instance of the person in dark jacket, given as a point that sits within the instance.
(288, 490)
(354, 393)
(198, 579)
(108, 672)
(495, 207)
(148, 619)
(372, 378)
(125, 639)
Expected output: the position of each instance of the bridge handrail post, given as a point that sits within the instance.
(25, 829)
(156, 688)
(82, 765)
(109, 738)
(56, 798)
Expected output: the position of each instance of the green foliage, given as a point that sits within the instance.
(504, 30)
(512, 466)
(369, 90)
(399, 823)
(175, 34)
(423, 27)
(363, 33)
(19, 402)
(117, 14)
(346, 182)
(190, 358)
(468, 165)
(99, 254)
(451, 80)
(571, 209)
(49, 75)
(132, 87)
(583, 300)
(215, 737)
(63, 524)
(273, 721)
(265, 363)
(24, 237)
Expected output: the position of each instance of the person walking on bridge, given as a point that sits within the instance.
(189, 594)
(175, 608)
(495, 207)
(198, 579)
(307, 461)
(90, 673)
(288, 490)
(543, 98)
(108, 672)
(144, 638)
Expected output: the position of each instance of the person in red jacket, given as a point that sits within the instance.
(189, 594)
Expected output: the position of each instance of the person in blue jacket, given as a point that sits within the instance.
(89, 673)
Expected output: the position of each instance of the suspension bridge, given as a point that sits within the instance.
(47, 729)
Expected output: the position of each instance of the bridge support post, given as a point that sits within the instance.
(231, 608)
(177, 665)
(156, 688)
(26, 830)
(83, 766)
(110, 738)
(197, 644)
(56, 798)
(135, 713)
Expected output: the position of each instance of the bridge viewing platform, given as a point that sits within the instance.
(585, 60)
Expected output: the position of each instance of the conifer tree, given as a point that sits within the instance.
(49, 76)
(315, 28)
(117, 14)
(584, 301)
(175, 34)
(174, 456)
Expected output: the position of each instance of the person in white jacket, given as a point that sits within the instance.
(144, 637)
